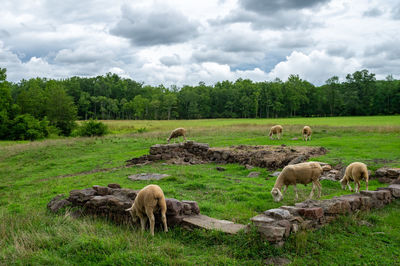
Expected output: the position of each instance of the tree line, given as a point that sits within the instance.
(61, 102)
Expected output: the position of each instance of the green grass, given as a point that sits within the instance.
(31, 173)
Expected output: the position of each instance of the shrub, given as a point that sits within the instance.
(92, 128)
(26, 127)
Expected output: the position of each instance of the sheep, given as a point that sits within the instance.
(150, 199)
(177, 133)
(303, 173)
(355, 171)
(306, 133)
(276, 130)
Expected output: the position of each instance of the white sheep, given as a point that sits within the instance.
(306, 133)
(355, 171)
(303, 173)
(276, 130)
(177, 133)
(150, 199)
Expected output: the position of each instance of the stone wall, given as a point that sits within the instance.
(111, 202)
(271, 157)
(387, 175)
(277, 224)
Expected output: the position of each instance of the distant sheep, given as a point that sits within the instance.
(355, 171)
(303, 173)
(177, 133)
(150, 199)
(276, 130)
(306, 133)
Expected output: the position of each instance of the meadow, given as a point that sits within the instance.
(32, 173)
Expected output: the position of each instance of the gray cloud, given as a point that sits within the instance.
(340, 50)
(373, 12)
(172, 60)
(396, 12)
(155, 27)
(270, 7)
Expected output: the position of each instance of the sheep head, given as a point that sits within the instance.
(343, 182)
(132, 212)
(276, 194)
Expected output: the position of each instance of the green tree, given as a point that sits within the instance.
(60, 108)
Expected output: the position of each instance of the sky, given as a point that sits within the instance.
(184, 42)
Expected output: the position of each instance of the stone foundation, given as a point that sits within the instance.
(277, 224)
(271, 157)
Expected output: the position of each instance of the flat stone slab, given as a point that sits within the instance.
(147, 176)
(209, 223)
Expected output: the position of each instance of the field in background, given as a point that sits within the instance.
(31, 173)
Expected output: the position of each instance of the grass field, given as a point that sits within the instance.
(31, 173)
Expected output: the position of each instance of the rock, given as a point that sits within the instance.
(174, 206)
(295, 138)
(381, 195)
(311, 213)
(219, 168)
(194, 207)
(385, 180)
(205, 222)
(249, 167)
(291, 209)
(395, 190)
(57, 203)
(114, 185)
(278, 213)
(272, 233)
(275, 173)
(147, 176)
(253, 174)
(101, 190)
(262, 219)
(299, 159)
(79, 197)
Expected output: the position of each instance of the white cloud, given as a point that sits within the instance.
(316, 67)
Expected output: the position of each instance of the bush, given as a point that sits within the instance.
(26, 127)
(92, 128)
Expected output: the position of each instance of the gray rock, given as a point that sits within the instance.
(277, 173)
(253, 174)
(147, 176)
(205, 222)
(219, 168)
(278, 213)
(57, 203)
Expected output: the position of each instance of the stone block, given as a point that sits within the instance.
(253, 174)
(272, 233)
(57, 203)
(395, 190)
(102, 191)
(278, 213)
(114, 185)
(291, 209)
(384, 196)
(174, 206)
(311, 213)
(262, 219)
(194, 207)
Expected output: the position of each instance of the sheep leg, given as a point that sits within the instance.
(284, 190)
(150, 214)
(348, 184)
(164, 220)
(295, 191)
(143, 220)
(358, 186)
(312, 190)
(319, 188)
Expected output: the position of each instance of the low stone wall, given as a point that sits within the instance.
(277, 224)
(387, 175)
(111, 202)
(271, 157)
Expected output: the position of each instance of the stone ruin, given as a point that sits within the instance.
(111, 202)
(387, 175)
(189, 152)
(277, 224)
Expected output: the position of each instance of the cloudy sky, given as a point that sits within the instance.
(186, 41)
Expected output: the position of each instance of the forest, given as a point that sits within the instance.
(47, 105)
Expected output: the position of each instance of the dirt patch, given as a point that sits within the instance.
(271, 157)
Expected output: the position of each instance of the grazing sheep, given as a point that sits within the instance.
(177, 133)
(355, 171)
(307, 133)
(150, 199)
(303, 173)
(276, 130)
